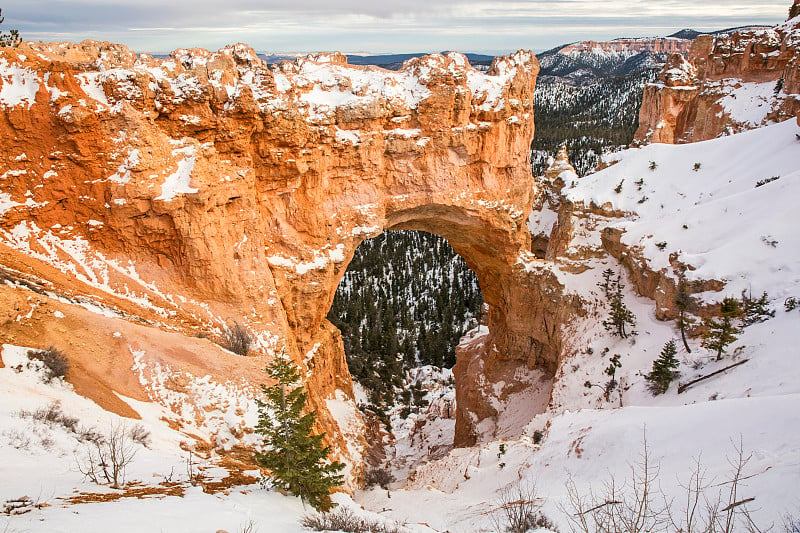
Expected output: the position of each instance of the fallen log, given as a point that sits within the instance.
(682, 388)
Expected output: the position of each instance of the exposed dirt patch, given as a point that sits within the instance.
(134, 490)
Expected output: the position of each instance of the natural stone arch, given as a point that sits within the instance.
(522, 303)
(245, 190)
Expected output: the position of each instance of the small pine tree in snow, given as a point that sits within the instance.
(664, 369)
(755, 309)
(611, 371)
(722, 331)
(685, 304)
(297, 460)
(619, 315)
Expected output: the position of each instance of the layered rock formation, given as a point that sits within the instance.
(657, 45)
(587, 61)
(204, 188)
(730, 83)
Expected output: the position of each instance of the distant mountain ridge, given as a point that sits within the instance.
(585, 61)
(387, 61)
(691, 34)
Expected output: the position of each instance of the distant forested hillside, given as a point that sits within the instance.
(590, 117)
(405, 301)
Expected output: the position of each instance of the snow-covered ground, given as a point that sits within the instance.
(426, 431)
(42, 461)
(716, 220)
(732, 219)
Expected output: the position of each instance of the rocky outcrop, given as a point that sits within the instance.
(208, 187)
(658, 45)
(729, 83)
(550, 222)
(661, 286)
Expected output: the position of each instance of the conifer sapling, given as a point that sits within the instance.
(685, 304)
(664, 369)
(755, 309)
(722, 331)
(297, 460)
(10, 39)
(619, 315)
(611, 371)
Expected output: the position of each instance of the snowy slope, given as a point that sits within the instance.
(734, 231)
(743, 235)
(41, 461)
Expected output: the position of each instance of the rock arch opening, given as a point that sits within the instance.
(402, 306)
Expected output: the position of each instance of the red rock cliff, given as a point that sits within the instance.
(208, 187)
(730, 83)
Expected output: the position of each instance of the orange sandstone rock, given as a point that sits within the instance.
(728, 83)
(208, 187)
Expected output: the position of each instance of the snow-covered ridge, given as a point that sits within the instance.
(682, 207)
(317, 85)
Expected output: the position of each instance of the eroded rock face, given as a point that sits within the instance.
(657, 45)
(728, 84)
(208, 187)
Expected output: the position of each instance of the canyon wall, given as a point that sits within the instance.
(203, 189)
(729, 83)
(659, 45)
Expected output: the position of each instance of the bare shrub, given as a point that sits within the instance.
(108, 458)
(29, 438)
(791, 524)
(55, 364)
(248, 527)
(636, 505)
(722, 512)
(343, 519)
(378, 476)
(89, 434)
(193, 473)
(519, 510)
(628, 507)
(237, 339)
(52, 415)
(138, 433)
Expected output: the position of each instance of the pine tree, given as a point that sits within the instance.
(10, 39)
(619, 315)
(664, 369)
(755, 309)
(297, 460)
(722, 331)
(611, 371)
(685, 304)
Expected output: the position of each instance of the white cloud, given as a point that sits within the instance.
(390, 25)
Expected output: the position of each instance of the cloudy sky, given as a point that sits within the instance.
(374, 26)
